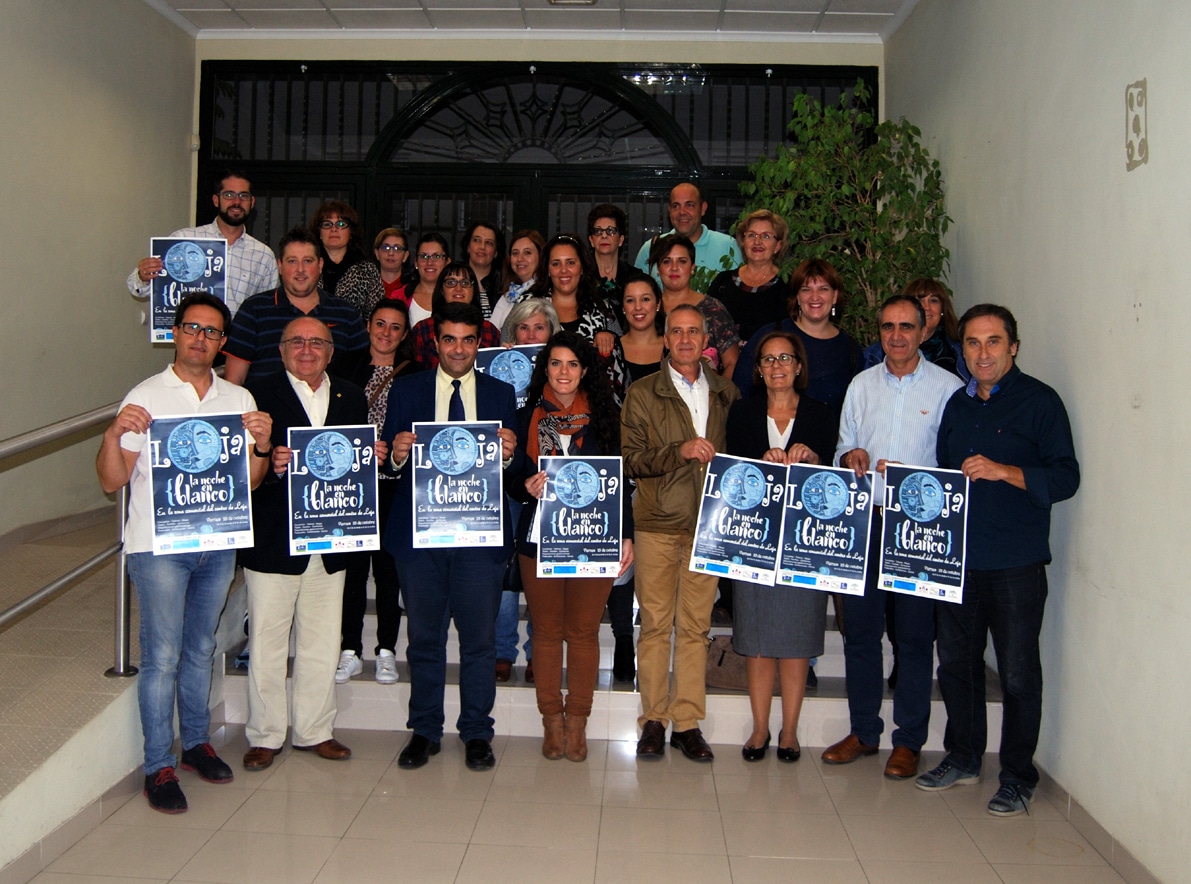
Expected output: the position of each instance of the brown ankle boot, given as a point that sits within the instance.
(576, 738)
(552, 739)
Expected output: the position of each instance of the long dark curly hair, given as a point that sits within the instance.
(605, 414)
(586, 295)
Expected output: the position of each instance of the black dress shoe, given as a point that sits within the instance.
(692, 744)
(653, 740)
(478, 755)
(417, 752)
(203, 761)
(756, 753)
(789, 755)
(812, 680)
(163, 791)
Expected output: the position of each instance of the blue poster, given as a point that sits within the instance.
(828, 515)
(202, 498)
(189, 266)
(579, 517)
(513, 365)
(332, 490)
(458, 494)
(740, 520)
(922, 542)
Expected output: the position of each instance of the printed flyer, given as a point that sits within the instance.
(189, 266)
(922, 542)
(825, 532)
(513, 365)
(332, 489)
(740, 520)
(458, 497)
(579, 517)
(202, 497)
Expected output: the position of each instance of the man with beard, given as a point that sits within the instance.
(253, 345)
(251, 267)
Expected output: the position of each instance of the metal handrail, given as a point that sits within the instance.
(41, 436)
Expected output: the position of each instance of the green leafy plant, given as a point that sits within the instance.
(868, 199)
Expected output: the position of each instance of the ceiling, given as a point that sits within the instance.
(864, 21)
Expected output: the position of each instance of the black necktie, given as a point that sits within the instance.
(455, 408)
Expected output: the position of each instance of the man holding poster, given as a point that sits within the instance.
(180, 595)
(1010, 435)
(891, 415)
(463, 583)
(671, 427)
(302, 593)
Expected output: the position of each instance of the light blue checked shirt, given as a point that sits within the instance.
(895, 418)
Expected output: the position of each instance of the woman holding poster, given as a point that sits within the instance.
(779, 628)
(570, 413)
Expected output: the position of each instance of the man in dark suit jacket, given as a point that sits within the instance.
(463, 583)
(283, 588)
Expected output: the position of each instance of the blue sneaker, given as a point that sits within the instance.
(944, 777)
(1011, 800)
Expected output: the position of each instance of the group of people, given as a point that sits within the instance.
(642, 366)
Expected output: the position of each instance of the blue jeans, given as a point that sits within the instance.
(180, 599)
(1008, 603)
(437, 585)
(864, 629)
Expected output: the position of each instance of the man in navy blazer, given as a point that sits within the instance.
(464, 583)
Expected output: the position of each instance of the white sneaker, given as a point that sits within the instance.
(386, 668)
(349, 667)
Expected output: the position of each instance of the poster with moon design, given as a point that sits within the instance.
(458, 497)
(825, 530)
(188, 266)
(201, 494)
(923, 538)
(332, 490)
(579, 517)
(740, 520)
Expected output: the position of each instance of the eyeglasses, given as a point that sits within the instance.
(431, 256)
(209, 332)
(327, 225)
(316, 344)
(604, 231)
(463, 283)
(783, 358)
(389, 247)
(752, 236)
(242, 195)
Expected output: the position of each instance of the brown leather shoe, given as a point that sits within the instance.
(847, 750)
(902, 764)
(332, 750)
(575, 738)
(692, 744)
(504, 671)
(653, 740)
(259, 757)
(552, 736)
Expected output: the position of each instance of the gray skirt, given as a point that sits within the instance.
(777, 621)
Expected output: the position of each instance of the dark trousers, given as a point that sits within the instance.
(384, 575)
(1008, 603)
(864, 628)
(438, 585)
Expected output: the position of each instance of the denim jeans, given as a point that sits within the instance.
(864, 629)
(1008, 603)
(180, 598)
(436, 586)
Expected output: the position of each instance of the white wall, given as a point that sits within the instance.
(1023, 103)
(96, 114)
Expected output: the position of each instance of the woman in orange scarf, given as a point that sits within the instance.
(570, 411)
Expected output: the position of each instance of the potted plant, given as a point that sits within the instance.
(868, 199)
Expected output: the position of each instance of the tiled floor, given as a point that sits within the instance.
(609, 819)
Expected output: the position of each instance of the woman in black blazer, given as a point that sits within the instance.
(779, 628)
